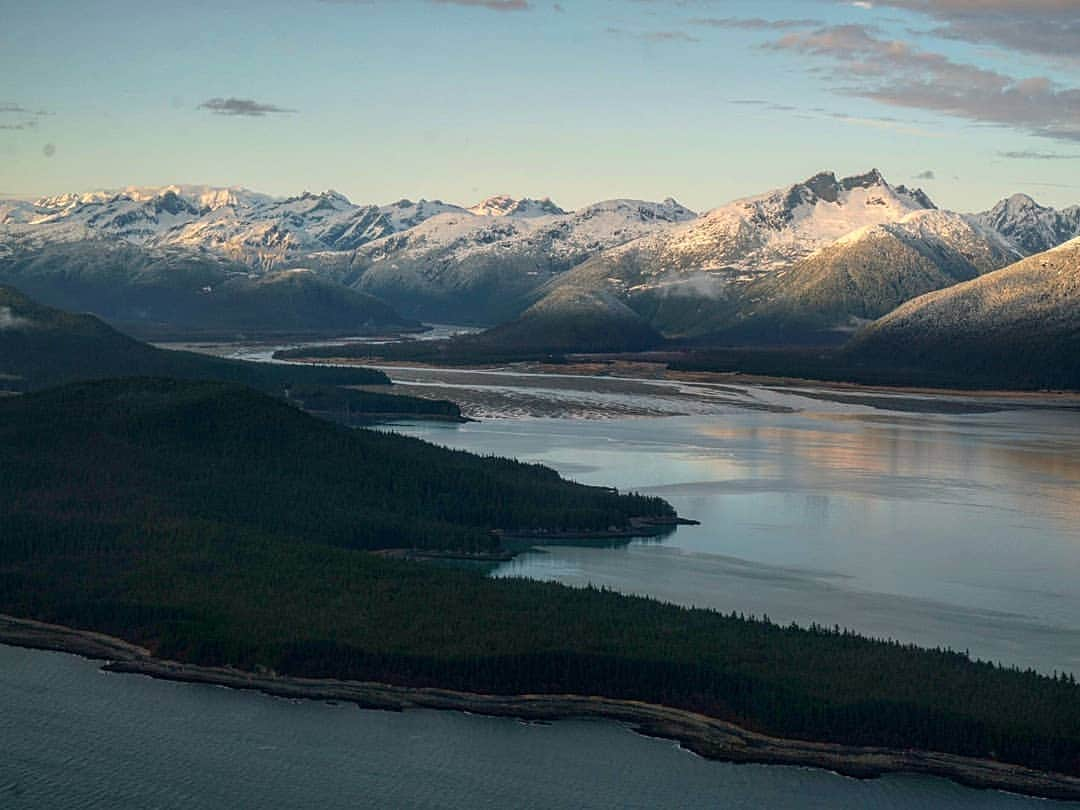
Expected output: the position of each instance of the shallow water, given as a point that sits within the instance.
(74, 737)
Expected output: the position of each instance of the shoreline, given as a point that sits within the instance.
(657, 371)
(705, 736)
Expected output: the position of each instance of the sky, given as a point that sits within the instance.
(578, 100)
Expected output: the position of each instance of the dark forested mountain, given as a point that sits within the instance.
(41, 346)
(570, 320)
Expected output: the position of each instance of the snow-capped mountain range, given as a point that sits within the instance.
(246, 226)
(1033, 228)
(490, 261)
(481, 266)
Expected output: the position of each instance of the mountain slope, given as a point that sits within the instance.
(768, 232)
(156, 291)
(573, 321)
(216, 527)
(862, 276)
(244, 226)
(153, 454)
(1033, 228)
(1015, 327)
(41, 346)
(504, 206)
(818, 299)
(483, 268)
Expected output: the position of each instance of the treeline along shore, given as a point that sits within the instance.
(706, 736)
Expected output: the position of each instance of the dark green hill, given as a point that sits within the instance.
(41, 346)
(573, 320)
(151, 451)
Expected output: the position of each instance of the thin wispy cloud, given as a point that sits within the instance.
(19, 109)
(654, 36)
(897, 73)
(754, 23)
(9, 113)
(1030, 155)
(242, 107)
(929, 174)
(875, 122)
(491, 5)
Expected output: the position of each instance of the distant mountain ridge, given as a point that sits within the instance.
(160, 292)
(1031, 227)
(484, 267)
(812, 260)
(252, 228)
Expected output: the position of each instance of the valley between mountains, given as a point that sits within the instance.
(855, 265)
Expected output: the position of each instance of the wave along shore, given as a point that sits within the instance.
(705, 736)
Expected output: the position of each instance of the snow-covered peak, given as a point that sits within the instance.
(1032, 227)
(483, 265)
(203, 198)
(506, 206)
(405, 214)
(829, 203)
(948, 236)
(326, 199)
(15, 211)
(240, 224)
(670, 210)
(770, 231)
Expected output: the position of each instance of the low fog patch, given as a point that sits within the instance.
(9, 320)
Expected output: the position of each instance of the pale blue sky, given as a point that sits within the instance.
(456, 100)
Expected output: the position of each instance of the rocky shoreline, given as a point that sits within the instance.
(706, 736)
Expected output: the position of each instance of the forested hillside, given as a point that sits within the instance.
(41, 346)
(217, 526)
(112, 455)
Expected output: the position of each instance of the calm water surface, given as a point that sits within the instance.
(951, 529)
(74, 737)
